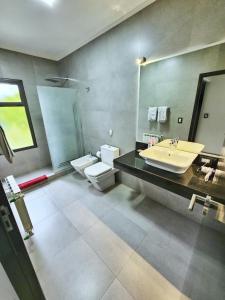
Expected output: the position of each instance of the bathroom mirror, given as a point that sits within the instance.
(208, 119)
(181, 83)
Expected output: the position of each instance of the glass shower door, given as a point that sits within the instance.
(62, 124)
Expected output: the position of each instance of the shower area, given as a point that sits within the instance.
(63, 126)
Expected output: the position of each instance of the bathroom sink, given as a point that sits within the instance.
(171, 159)
(183, 146)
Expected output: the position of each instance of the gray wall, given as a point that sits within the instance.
(108, 63)
(32, 71)
(173, 83)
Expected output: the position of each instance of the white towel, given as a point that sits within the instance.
(162, 114)
(5, 148)
(152, 113)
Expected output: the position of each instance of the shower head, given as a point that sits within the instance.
(63, 80)
(56, 79)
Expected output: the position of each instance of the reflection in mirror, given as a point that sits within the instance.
(173, 83)
(211, 124)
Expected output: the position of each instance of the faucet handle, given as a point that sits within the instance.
(177, 139)
(174, 140)
(192, 202)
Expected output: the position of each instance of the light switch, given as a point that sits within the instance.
(180, 120)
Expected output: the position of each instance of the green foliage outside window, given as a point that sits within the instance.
(14, 116)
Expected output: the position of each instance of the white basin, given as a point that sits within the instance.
(183, 146)
(172, 160)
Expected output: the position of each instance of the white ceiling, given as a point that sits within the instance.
(54, 31)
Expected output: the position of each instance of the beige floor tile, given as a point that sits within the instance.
(71, 268)
(51, 237)
(81, 217)
(143, 282)
(122, 194)
(76, 273)
(112, 250)
(96, 202)
(64, 192)
(39, 206)
(117, 292)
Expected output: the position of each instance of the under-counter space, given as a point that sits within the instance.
(187, 184)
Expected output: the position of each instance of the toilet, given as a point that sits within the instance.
(102, 174)
(83, 162)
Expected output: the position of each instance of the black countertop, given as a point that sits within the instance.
(191, 182)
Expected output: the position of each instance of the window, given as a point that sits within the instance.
(14, 115)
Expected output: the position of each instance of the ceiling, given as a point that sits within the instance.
(54, 28)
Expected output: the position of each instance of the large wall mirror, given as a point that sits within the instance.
(191, 87)
(208, 118)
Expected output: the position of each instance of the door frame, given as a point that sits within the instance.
(199, 101)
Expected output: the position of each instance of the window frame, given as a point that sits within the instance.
(24, 104)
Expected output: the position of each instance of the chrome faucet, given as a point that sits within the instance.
(207, 204)
(173, 145)
(175, 141)
(207, 201)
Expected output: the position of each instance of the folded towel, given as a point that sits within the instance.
(152, 113)
(5, 148)
(162, 114)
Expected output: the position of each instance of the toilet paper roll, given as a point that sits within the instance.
(98, 154)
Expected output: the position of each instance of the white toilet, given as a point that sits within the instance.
(102, 174)
(83, 162)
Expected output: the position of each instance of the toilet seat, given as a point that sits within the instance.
(97, 169)
(101, 175)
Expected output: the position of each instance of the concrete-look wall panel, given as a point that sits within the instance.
(108, 63)
(108, 66)
(33, 72)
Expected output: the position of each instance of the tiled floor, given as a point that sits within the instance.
(119, 245)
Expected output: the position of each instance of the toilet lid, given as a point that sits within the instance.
(97, 169)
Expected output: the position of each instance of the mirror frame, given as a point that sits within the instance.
(199, 101)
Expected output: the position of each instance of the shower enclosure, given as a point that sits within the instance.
(62, 124)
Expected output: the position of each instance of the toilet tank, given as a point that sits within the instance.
(108, 153)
